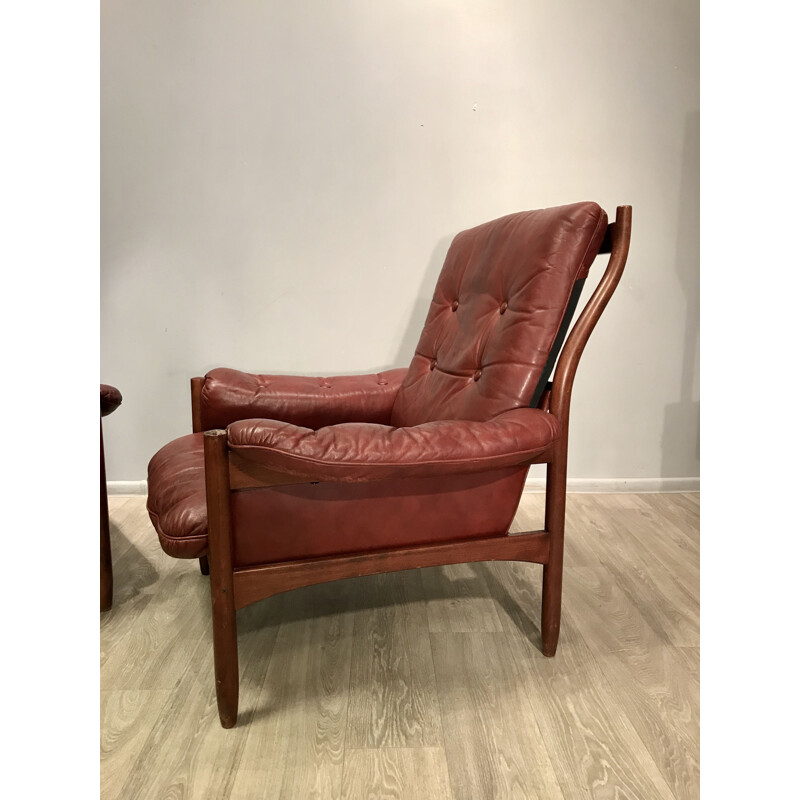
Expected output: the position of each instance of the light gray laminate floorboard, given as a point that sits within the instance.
(396, 773)
(421, 684)
(670, 605)
(492, 739)
(296, 742)
(126, 720)
(593, 746)
(459, 601)
(681, 510)
(393, 699)
(660, 701)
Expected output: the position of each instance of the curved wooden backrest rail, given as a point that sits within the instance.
(617, 242)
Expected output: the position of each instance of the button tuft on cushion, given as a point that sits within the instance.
(477, 375)
(528, 261)
(433, 365)
(454, 305)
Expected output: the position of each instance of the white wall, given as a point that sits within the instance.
(280, 182)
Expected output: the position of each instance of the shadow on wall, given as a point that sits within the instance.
(682, 419)
(409, 339)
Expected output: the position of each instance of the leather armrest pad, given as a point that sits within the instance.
(354, 452)
(229, 395)
(110, 399)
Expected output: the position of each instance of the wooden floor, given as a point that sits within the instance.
(420, 684)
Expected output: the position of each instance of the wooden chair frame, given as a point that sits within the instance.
(233, 588)
(106, 569)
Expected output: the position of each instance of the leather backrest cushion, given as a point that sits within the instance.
(495, 313)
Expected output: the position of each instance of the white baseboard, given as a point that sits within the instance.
(620, 485)
(533, 484)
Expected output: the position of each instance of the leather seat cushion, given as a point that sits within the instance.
(311, 520)
(176, 497)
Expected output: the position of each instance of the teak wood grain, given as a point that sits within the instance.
(256, 583)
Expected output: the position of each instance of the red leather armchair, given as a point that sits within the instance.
(290, 481)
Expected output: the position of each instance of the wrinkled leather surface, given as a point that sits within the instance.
(110, 398)
(309, 520)
(229, 395)
(176, 497)
(368, 452)
(496, 309)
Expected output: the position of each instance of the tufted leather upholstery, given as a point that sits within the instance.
(229, 395)
(495, 313)
(448, 439)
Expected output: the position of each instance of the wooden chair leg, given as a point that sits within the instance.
(223, 608)
(551, 608)
(553, 571)
(226, 662)
(106, 573)
(203, 564)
